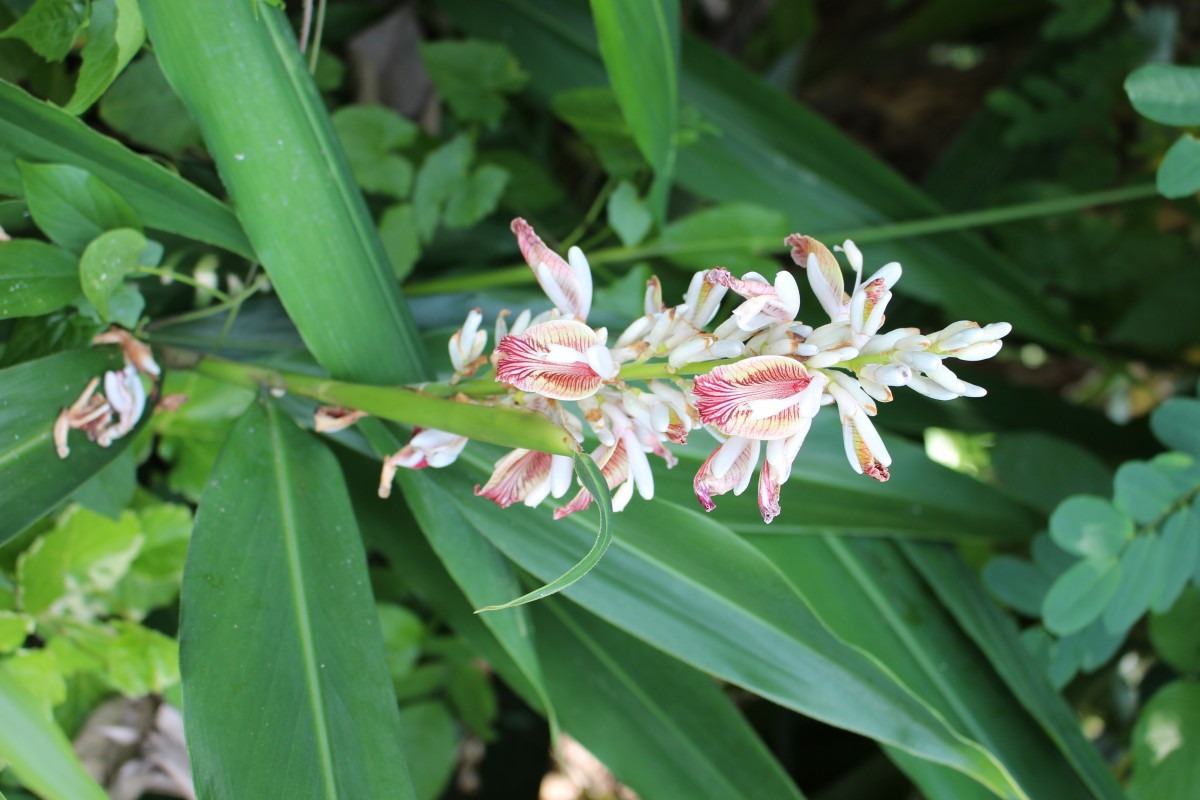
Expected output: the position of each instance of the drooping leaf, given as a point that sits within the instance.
(276, 575)
(33, 479)
(35, 278)
(105, 263)
(115, 34)
(1166, 93)
(593, 481)
(639, 43)
(473, 77)
(37, 751)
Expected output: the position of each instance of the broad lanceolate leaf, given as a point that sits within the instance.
(695, 590)
(141, 106)
(620, 678)
(72, 206)
(691, 741)
(284, 674)
(1179, 172)
(115, 34)
(33, 479)
(867, 593)
(34, 131)
(996, 635)
(37, 751)
(1166, 93)
(35, 278)
(639, 42)
(280, 158)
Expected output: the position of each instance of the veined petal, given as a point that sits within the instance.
(734, 475)
(540, 360)
(558, 279)
(725, 397)
(768, 492)
(516, 476)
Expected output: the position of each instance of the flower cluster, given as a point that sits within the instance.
(755, 382)
(107, 416)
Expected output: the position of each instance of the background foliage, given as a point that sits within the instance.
(320, 190)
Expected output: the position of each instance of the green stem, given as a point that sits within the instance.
(184, 279)
(508, 276)
(201, 313)
(592, 213)
(503, 425)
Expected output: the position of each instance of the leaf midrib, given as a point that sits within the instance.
(312, 680)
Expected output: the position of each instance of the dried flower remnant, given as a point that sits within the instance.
(107, 415)
(755, 380)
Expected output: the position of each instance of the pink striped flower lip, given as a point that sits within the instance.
(765, 303)
(560, 359)
(527, 476)
(761, 397)
(567, 284)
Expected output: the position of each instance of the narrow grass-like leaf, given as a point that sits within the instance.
(690, 587)
(32, 130)
(639, 42)
(285, 679)
(996, 636)
(33, 479)
(37, 751)
(244, 81)
(601, 677)
(593, 481)
(870, 596)
(690, 739)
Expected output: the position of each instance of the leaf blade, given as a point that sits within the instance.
(281, 485)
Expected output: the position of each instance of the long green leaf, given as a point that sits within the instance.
(868, 595)
(32, 130)
(777, 154)
(690, 742)
(38, 752)
(593, 481)
(692, 588)
(33, 479)
(996, 636)
(285, 679)
(240, 74)
(639, 42)
(600, 677)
